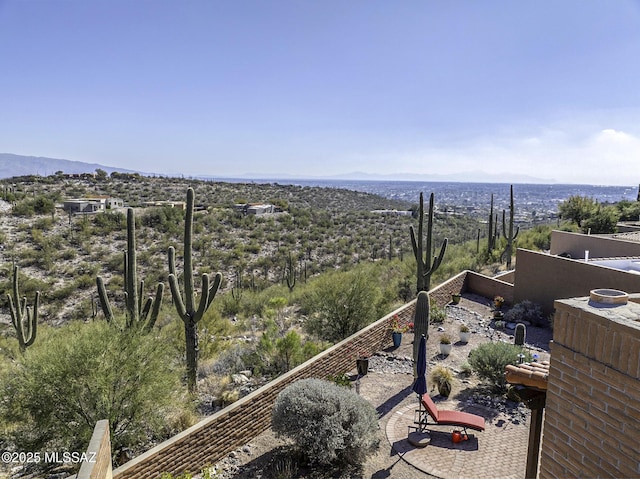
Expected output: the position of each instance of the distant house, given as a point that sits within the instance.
(393, 212)
(256, 209)
(164, 203)
(92, 205)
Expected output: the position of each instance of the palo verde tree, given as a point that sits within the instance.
(23, 318)
(137, 313)
(186, 304)
(422, 252)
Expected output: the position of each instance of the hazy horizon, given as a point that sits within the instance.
(546, 89)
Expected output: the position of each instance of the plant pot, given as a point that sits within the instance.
(465, 336)
(444, 389)
(397, 339)
(498, 314)
(445, 349)
(362, 365)
(455, 298)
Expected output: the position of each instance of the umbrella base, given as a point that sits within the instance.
(419, 439)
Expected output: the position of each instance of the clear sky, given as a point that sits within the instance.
(544, 88)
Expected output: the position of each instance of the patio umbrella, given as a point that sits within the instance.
(420, 388)
(420, 384)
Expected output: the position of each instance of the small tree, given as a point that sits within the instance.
(340, 304)
(328, 423)
(82, 373)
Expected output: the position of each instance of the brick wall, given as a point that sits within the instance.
(592, 419)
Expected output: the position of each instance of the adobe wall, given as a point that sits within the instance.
(575, 244)
(592, 418)
(543, 278)
(489, 287)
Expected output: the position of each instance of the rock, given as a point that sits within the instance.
(239, 379)
(246, 372)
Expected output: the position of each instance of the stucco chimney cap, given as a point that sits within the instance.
(609, 296)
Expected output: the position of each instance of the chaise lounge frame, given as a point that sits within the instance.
(445, 417)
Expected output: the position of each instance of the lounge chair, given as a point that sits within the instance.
(442, 418)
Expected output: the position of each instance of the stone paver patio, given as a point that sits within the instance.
(497, 452)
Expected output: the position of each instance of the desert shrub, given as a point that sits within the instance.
(328, 423)
(81, 373)
(489, 360)
(526, 311)
(437, 315)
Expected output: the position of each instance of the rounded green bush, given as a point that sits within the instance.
(489, 360)
(328, 423)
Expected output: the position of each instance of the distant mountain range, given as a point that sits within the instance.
(19, 165)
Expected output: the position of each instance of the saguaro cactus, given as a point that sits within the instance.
(24, 320)
(510, 237)
(423, 254)
(185, 305)
(492, 231)
(290, 274)
(420, 323)
(520, 334)
(137, 313)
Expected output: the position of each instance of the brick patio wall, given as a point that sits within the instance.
(592, 419)
(488, 287)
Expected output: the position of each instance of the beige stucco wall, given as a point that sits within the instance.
(543, 278)
(575, 244)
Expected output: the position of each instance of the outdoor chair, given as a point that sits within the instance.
(443, 418)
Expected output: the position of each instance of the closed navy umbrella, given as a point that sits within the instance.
(420, 384)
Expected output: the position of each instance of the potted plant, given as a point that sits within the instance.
(396, 331)
(445, 344)
(498, 301)
(442, 377)
(465, 333)
(362, 361)
(455, 298)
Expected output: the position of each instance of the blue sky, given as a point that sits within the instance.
(549, 89)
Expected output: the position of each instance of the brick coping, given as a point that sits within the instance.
(500, 451)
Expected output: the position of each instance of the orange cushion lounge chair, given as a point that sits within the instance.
(454, 418)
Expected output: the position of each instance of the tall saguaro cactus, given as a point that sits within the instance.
(186, 304)
(492, 233)
(24, 320)
(290, 274)
(510, 237)
(420, 323)
(137, 313)
(422, 252)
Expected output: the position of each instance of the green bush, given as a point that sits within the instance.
(489, 360)
(82, 373)
(328, 423)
